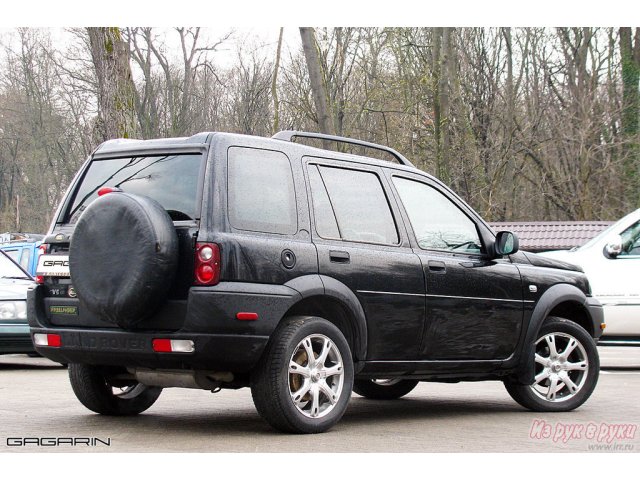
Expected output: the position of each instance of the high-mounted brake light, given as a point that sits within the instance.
(105, 190)
(207, 264)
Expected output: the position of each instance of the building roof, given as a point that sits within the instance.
(540, 236)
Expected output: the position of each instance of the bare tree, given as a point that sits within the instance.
(116, 91)
(318, 86)
(274, 84)
(630, 53)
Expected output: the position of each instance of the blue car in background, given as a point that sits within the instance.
(22, 248)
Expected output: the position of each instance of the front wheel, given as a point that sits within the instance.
(387, 389)
(567, 366)
(101, 391)
(305, 376)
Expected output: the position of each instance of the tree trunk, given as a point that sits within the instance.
(437, 111)
(442, 51)
(116, 90)
(630, 57)
(507, 211)
(318, 87)
(274, 86)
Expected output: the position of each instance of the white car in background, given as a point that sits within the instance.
(611, 261)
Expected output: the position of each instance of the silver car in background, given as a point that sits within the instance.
(611, 261)
(14, 330)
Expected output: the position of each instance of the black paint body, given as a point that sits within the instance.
(406, 311)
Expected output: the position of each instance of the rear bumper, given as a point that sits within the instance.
(221, 341)
(235, 353)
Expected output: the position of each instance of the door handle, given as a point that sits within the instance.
(437, 267)
(338, 256)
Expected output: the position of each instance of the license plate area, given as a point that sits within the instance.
(53, 266)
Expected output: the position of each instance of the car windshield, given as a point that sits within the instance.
(608, 231)
(8, 269)
(171, 180)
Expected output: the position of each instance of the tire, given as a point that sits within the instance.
(123, 257)
(383, 389)
(98, 393)
(581, 368)
(274, 384)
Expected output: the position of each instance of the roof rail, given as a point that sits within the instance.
(288, 135)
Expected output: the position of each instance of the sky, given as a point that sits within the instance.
(261, 14)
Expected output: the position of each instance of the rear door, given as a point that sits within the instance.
(264, 235)
(361, 243)
(474, 306)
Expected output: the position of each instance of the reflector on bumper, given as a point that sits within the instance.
(164, 345)
(47, 340)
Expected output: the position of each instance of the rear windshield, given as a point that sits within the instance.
(171, 180)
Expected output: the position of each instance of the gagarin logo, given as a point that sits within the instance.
(58, 442)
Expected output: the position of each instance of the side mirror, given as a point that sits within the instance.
(613, 248)
(506, 244)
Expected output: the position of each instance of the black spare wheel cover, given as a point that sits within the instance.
(123, 257)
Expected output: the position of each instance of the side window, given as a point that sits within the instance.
(24, 261)
(437, 222)
(14, 254)
(326, 223)
(631, 241)
(359, 206)
(261, 196)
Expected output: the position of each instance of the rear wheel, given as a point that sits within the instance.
(305, 377)
(387, 389)
(566, 369)
(103, 392)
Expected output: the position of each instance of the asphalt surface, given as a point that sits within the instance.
(36, 402)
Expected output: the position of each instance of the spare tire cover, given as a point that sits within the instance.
(123, 257)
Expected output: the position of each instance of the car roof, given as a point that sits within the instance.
(122, 146)
(202, 141)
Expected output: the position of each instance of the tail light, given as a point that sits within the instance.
(207, 264)
(43, 249)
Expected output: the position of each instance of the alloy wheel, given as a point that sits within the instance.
(561, 367)
(316, 376)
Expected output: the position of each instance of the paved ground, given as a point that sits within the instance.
(36, 401)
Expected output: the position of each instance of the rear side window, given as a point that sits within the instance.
(26, 256)
(171, 180)
(326, 223)
(261, 196)
(359, 206)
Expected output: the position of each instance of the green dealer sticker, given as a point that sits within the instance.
(63, 310)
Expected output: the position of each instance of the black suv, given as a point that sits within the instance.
(228, 261)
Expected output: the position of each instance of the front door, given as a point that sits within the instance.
(474, 306)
